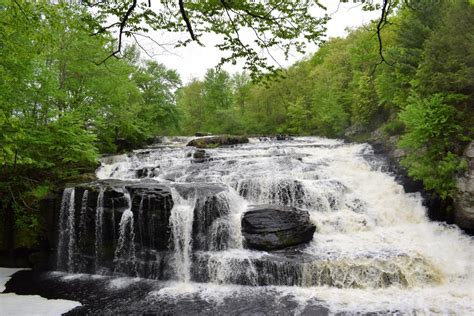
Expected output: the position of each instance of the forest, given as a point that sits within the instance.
(62, 106)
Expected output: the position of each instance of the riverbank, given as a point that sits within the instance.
(458, 210)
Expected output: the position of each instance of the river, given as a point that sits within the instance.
(374, 249)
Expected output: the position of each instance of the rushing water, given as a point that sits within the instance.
(67, 239)
(374, 249)
(181, 221)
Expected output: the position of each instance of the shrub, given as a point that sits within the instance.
(432, 132)
(395, 127)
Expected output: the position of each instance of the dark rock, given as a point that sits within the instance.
(151, 205)
(271, 227)
(200, 156)
(217, 141)
(124, 145)
(207, 212)
(464, 198)
(200, 153)
(147, 172)
(283, 137)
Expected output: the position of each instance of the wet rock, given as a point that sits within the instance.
(217, 141)
(271, 227)
(283, 137)
(200, 156)
(200, 153)
(199, 190)
(147, 172)
(286, 192)
(207, 212)
(464, 199)
(124, 145)
(151, 205)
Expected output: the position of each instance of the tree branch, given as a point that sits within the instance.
(380, 24)
(123, 23)
(186, 20)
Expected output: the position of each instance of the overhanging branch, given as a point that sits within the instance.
(184, 15)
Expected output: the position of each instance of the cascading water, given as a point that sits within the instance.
(125, 252)
(99, 222)
(374, 250)
(82, 224)
(181, 222)
(67, 237)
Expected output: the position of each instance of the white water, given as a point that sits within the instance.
(67, 230)
(125, 252)
(82, 224)
(368, 229)
(99, 222)
(181, 222)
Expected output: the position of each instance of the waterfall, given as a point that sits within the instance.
(373, 242)
(141, 224)
(99, 222)
(66, 240)
(82, 224)
(181, 222)
(225, 231)
(125, 259)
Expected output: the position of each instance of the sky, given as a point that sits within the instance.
(193, 61)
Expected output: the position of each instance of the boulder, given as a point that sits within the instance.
(147, 172)
(217, 141)
(200, 156)
(283, 137)
(271, 227)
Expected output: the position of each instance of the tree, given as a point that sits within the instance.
(191, 104)
(158, 85)
(275, 24)
(299, 118)
(60, 107)
(331, 88)
(433, 130)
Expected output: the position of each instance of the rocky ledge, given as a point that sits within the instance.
(217, 141)
(271, 227)
(464, 199)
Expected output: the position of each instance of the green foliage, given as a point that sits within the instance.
(395, 127)
(345, 89)
(365, 105)
(60, 106)
(291, 25)
(448, 63)
(298, 117)
(432, 129)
